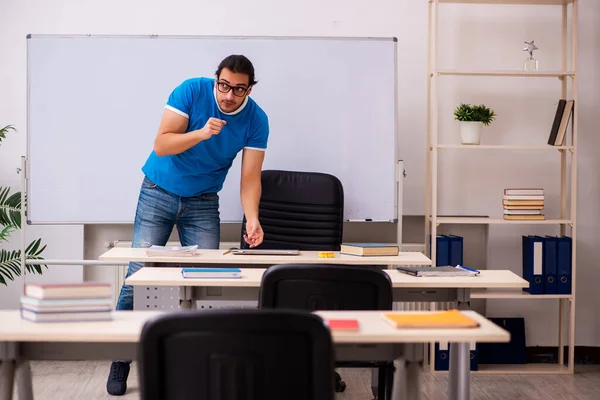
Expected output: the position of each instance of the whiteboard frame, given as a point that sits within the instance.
(397, 163)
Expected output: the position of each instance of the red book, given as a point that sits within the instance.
(343, 324)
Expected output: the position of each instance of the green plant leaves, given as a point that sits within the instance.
(10, 208)
(4, 131)
(10, 261)
(5, 233)
(480, 113)
(10, 219)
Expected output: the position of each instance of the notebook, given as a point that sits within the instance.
(343, 324)
(202, 273)
(425, 270)
(435, 319)
(265, 252)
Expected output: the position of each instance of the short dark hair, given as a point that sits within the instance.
(238, 64)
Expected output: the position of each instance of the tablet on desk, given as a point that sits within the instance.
(266, 252)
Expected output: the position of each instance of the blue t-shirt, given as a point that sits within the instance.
(203, 167)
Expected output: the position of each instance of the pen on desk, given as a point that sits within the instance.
(227, 252)
(467, 268)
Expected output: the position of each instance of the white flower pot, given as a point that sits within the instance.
(470, 132)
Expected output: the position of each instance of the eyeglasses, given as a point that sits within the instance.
(239, 91)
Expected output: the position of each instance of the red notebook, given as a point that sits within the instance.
(343, 324)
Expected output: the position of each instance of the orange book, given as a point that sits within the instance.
(436, 319)
(343, 324)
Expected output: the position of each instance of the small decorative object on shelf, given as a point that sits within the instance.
(530, 63)
(471, 120)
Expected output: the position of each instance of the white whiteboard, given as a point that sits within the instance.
(95, 103)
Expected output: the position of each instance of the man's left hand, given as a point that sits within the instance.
(254, 233)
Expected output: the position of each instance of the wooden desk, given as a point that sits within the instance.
(305, 257)
(22, 341)
(405, 287)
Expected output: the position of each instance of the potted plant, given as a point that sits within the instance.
(472, 118)
(10, 220)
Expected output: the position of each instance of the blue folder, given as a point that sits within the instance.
(563, 264)
(550, 269)
(443, 251)
(513, 352)
(442, 356)
(533, 267)
(455, 250)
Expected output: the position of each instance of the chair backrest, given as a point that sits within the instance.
(325, 287)
(236, 355)
(300, 210)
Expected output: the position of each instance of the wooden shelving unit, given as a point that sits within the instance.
(469, 220)
(502, 147)
(567, 154)
(513, 294)
(522, 74)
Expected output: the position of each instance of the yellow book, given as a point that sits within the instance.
(436, 319)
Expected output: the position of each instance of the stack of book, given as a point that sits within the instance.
(88, 301)
(523, 204)
(369, 249)
(171, 251)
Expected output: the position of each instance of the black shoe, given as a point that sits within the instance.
(117, 378)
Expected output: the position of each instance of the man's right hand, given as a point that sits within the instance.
(212, 127)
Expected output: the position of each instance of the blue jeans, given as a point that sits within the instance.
(197, 220)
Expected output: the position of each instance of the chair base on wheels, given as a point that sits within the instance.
(340, 385)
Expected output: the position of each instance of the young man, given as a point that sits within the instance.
(206, 122)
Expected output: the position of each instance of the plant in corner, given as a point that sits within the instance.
(472, 118)
(10, 220)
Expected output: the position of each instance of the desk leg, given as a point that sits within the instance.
(463, 298)
(7, 379)
(185, 298)
(24, 383)
(459, 374)
(8, 359)
(460, 364)
(407, 378)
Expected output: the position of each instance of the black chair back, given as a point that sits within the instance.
(325, 287)
(236, 355)
(300, 210)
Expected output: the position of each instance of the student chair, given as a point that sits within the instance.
(236, 355)
(300, 210)
(331, 287)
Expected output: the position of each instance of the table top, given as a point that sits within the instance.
(251, 277)
(374, 329)
(126, 327)
(305, 257)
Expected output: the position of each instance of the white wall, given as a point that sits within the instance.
(492, 33)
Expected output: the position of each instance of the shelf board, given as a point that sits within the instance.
(513, 294)
(478, 220)
(508, 73)
(525, 369)
(531, 2)
(502, 147)
(514, 369)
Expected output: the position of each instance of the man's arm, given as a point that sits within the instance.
(250, 187)
(250, 191)
(172, 137)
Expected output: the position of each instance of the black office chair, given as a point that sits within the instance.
(331, 287)
(300, 210)
(236, 355)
